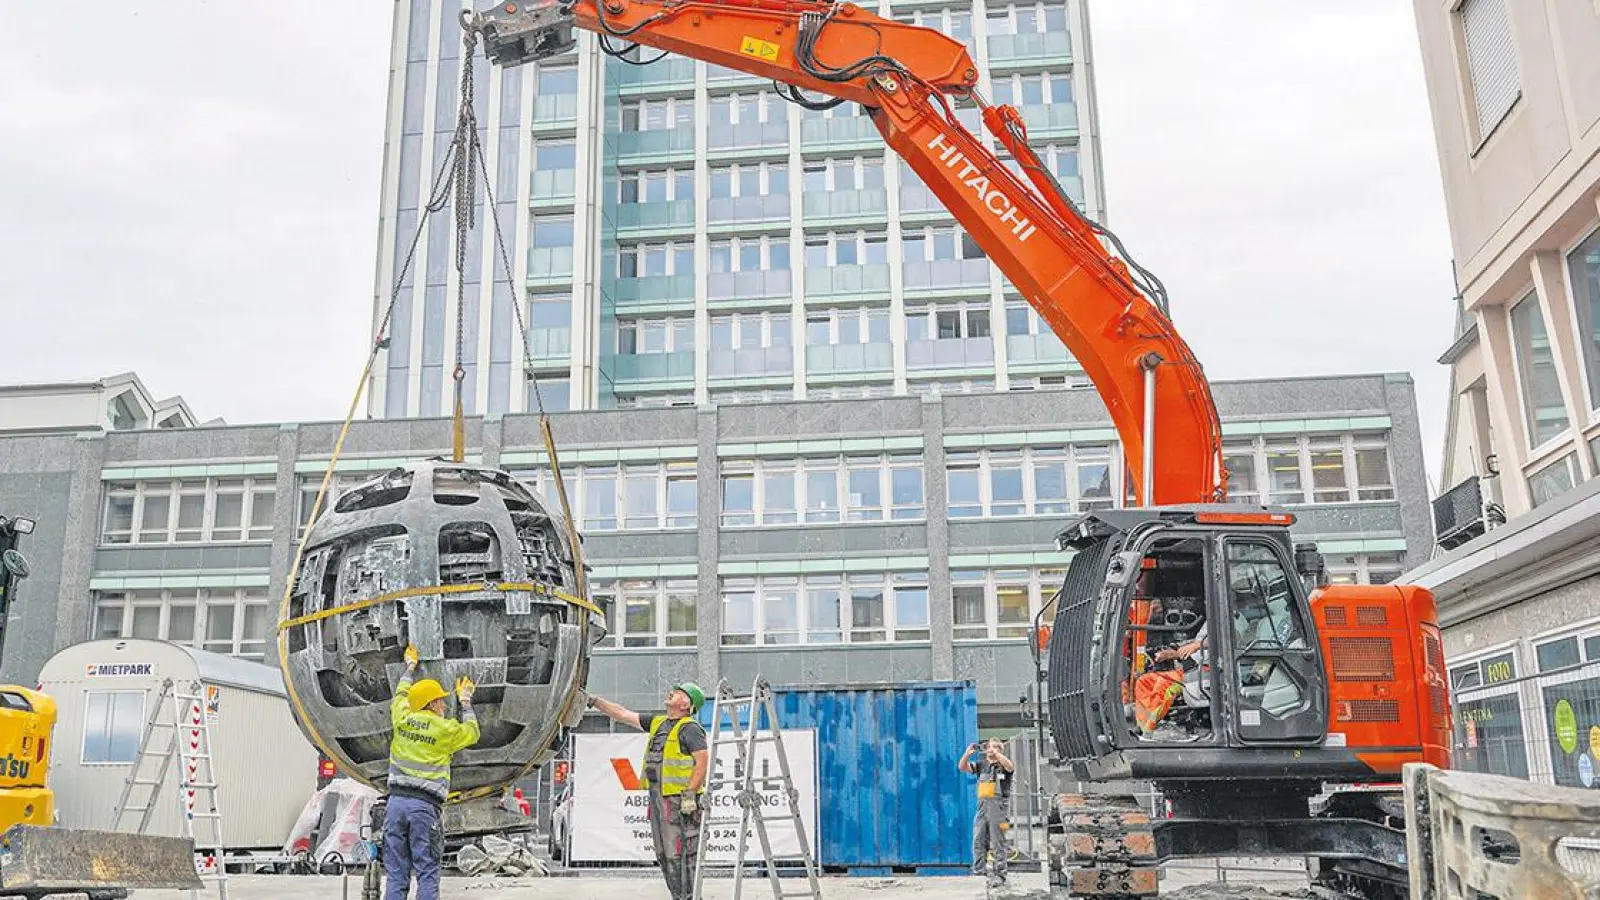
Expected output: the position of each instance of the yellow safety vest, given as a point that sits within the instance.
(419, 753)
(677, 767)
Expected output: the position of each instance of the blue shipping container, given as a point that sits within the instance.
(888, 790)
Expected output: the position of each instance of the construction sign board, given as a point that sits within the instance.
(609, 821)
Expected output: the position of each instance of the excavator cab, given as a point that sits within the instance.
(1184, 635)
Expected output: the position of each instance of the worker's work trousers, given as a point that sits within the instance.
(1153, 696)
(990, 834)
(677, 843)
(413, 841)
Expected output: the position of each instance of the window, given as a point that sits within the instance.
(939, 243)
(748, 331)
(1545, 411)
(555, 154)
(749, 254)
(655, 260)
(1240, 461)
(1558, 654)
(1032, 89)
(215, 510)
(552, 231)
(1553, 480)
(642, 337)
(649, 613)
(1491, 57)
(1033, 481)
(947, 322)
(634, 497)
(556, 80)
(1486, 714)
(233, 622)
(1583, 271)
(113, 722)
(655, 186)
(657, 115)
(825, 608)
(749, 180)
(1000, 604)
(823, 490)
(1328, 483)
(859, 248)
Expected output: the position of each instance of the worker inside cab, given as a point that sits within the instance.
(1168, 694)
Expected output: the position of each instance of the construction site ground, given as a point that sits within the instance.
(1244, 880)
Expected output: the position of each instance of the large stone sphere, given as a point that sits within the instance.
(411, 531)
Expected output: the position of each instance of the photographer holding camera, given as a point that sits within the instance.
(988, 761)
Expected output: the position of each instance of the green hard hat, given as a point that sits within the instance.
(697, 697)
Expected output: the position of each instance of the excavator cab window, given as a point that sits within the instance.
(1167, 651)
(15, 701)
(1276, 669)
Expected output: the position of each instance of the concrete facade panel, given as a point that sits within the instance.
(789, 421)
(183, 444)
(30, 628)
(637, 548)
(183, 559)
(1004, 534)
(638, 679)
(828, 541)
(1554, 610)
(1004, 672)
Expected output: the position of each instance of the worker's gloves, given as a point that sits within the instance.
(464, 689)
(688, 805)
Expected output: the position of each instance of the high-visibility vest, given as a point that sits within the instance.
(676, 766)
(419, 753)
(1154, 694)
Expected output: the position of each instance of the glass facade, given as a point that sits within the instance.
(688, 190)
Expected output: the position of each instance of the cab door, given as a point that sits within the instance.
(1280, 694)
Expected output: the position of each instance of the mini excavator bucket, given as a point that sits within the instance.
(71, 861)
(517, 32)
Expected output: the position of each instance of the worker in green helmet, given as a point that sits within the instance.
(676, 762)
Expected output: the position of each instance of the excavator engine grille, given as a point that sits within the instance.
(1362, 658)
(1369, 711)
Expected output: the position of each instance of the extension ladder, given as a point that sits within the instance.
(745, 739)
(190, 743)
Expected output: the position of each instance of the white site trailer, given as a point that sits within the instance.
(104, 691)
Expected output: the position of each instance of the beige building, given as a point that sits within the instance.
(1515, 91)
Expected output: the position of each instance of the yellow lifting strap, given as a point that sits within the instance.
(481, 587)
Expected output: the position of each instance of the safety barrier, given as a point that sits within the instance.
(1472, 835)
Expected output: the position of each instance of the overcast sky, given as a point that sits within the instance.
(190, 191)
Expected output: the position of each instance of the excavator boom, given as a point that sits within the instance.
(906, 77)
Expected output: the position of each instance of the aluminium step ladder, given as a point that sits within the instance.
(189, 742)
(745, 739)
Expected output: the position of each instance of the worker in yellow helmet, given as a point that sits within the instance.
(676, 760)
(419, 779)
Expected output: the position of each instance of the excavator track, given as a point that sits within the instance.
(1102, 847)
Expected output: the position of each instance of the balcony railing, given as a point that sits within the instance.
(1052, 48)
(721, 75)
(756, 361)
(847, 359)
(666, 214)
(553, 109)
(549, 263)
(761, 208)
(916, 198)
(653, 289)
(677, 366)
(957, 353)
(847, 280)
(839, 133)
(1035, 348)
(671, 73)
(553, 185)
(946, 273)
(827, 205)
(648, 146)
(749, 137)
(549, 343)
(1050, 118)
(749, 285)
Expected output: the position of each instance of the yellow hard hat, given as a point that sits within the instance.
(424, 692)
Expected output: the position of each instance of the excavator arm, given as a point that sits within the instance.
(905, 76)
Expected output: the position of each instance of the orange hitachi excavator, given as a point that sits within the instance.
(1189, 646)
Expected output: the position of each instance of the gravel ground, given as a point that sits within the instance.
(1196, 881)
